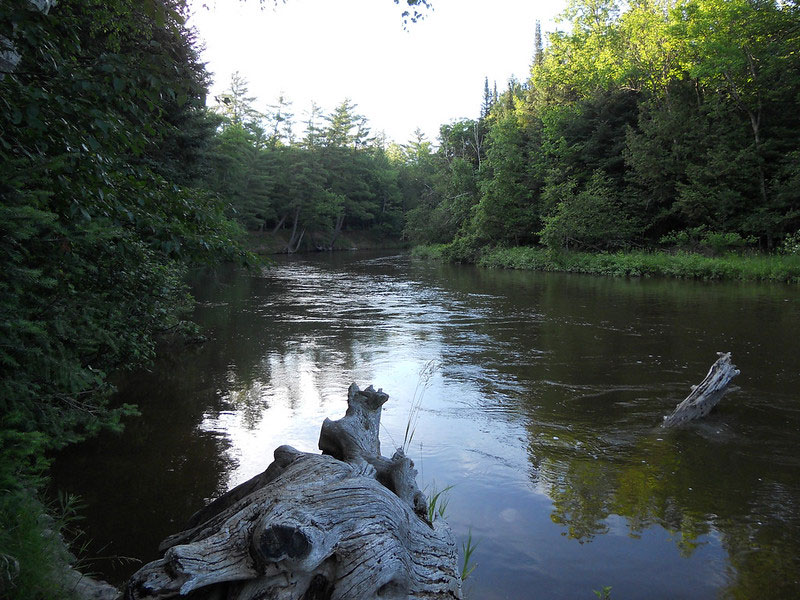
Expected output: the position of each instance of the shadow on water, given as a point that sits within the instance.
(544, 414)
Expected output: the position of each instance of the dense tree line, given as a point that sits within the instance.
(670, 122)
(309, 188)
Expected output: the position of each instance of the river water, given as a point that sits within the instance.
(541, 412)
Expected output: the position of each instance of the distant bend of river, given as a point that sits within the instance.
(542, 414)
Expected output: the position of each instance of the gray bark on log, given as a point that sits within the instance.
(706, 395)
(345, 524)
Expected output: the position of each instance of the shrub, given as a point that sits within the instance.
(697, 239)
(790, 246)
(592, 219)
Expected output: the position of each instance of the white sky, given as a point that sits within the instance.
(329, 50)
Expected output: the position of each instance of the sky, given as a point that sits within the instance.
(328, 50)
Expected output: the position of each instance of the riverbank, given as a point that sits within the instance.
(275, 243)
(682, 265)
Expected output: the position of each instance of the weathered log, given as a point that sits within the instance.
(705, 395)
(345, 524)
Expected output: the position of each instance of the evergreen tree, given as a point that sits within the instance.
(538, 47)
(280, 122)
(486, 104)
(314, 132)
(346, 128)
(235, 105)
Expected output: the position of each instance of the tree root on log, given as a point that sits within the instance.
(346, 524)
(706, 395)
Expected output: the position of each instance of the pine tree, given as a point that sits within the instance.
(486, 105)
(281, 121)
(538, 49)
(235, 104)
(314, 132)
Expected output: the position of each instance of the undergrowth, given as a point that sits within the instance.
(683, 265)
(33, 555)
(432, 252)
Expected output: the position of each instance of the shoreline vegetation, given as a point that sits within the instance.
(635, 263)
(636, 126)
(265, 243)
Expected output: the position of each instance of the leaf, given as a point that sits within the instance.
(102, 125)
(160, 16)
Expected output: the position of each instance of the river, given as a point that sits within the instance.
(542, 413)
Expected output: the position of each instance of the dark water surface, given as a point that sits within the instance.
(542, 414)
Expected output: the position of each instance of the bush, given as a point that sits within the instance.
(464, 249)
(790, 246)
(683, 265)
(592, 219)
(33, 556)
(431, 252)
(697, 239)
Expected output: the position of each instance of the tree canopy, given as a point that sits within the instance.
(686, 111)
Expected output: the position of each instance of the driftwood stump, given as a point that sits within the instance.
(346, 524)
(705, 395)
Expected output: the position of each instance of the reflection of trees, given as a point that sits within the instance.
(664, 483)
(580, 499)
(592, 362)
(764, 561)
(139, 486)
(614, 357)
(268, 330)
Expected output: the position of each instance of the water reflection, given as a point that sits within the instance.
(543, 414)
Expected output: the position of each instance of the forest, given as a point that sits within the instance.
(660, 124)
(663, 125)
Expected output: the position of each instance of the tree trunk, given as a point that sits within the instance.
(346, 524)
(337, 230)
(279, 225)
(706, 395)
(291, 241)
(299, 241)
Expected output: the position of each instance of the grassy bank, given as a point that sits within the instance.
(756, 267)
(34, 560)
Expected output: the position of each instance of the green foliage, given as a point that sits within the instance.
(604, 593)
(682, 265)
(32, 552)
(698, 239)
(466, 248)
(437, 503)
(593, 218)
(790, 245)
(507, 212)
(433, 252)
(689, 110)
(336, 177)
(95, 242)
(467, 549)
(102, 131)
